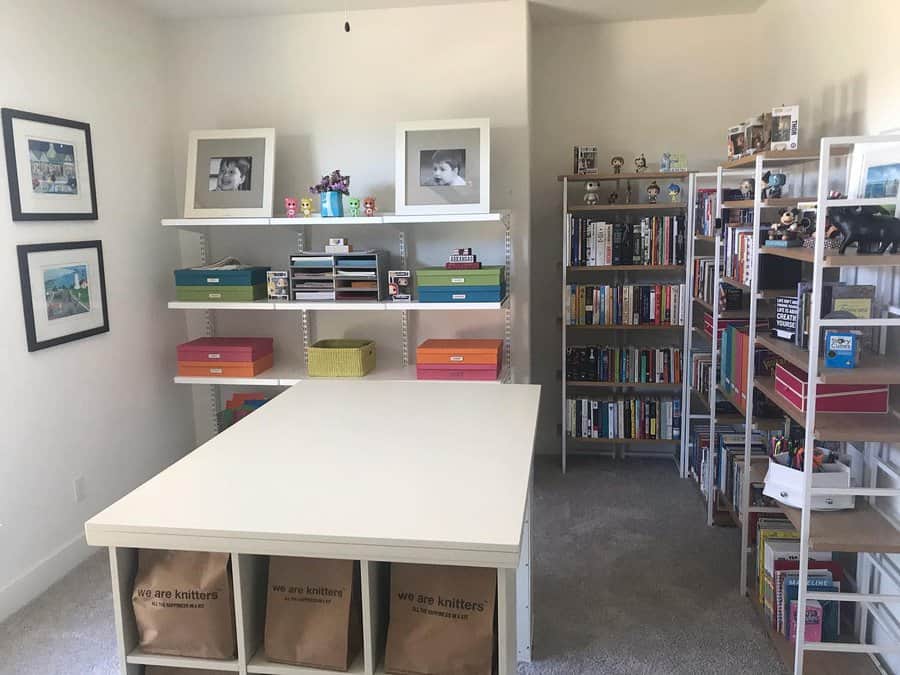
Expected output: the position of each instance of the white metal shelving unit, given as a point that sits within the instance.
(288, 374)
(868, 530)
(619, 447)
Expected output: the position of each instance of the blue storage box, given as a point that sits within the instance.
(248, 276)
(461, 293)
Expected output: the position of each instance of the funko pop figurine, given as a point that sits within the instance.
(353, 207)
(747, 188)
(290, 207)
(613, 198)
(652, 192)
(640, 163)
(774, 182)
(617, 163)
(674, 191)
(628, 192)
(788, 227)
(306, 205)
(591, 198)
(369, 206)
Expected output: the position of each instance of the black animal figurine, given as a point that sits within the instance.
(867, 225)
(774, 182)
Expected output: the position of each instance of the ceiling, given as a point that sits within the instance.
(544, 12)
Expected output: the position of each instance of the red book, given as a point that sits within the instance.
(462, 266)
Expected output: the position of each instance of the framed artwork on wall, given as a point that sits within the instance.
(230, 173)
(443, 166)
(63, 292)
(50, 165)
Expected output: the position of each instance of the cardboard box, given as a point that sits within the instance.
(785, 127)
(790, 382)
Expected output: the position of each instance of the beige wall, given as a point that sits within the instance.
(334, 100)
(103, 408)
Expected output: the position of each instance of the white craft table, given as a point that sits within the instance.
(380, 472)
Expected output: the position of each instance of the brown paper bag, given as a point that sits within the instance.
(183, 604)
(313, 612)
(441, 620)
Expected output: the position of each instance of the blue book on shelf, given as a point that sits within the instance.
(831, 617)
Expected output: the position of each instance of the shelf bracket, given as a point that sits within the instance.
(209, 330)
(404, 337)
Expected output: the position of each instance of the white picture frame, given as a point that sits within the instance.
(873, 156)
(414, 142)
(250, 203)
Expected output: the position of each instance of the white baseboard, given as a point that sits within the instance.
(29, 585)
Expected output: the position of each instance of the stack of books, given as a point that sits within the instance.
(654, 241)
(625, 418)
(462, 259)
(225, 357)
(238, 407)
(634, 305)
(627, 365)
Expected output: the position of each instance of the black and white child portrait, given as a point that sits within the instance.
(229, 173)
(442, 168)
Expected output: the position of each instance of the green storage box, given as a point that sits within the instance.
(439, 276)
(341, 358)
(220, 293)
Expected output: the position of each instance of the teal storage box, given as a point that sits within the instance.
(461, 293)
(439, 276)
(247, 276)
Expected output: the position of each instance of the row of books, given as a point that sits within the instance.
(762, 325)
(702, 376)
(778, 556)
(709, 289)
(658, 240)
(733, 364)
(739, 254)
(623, 364)
(633, 305)
(706, 212)
(626, 418)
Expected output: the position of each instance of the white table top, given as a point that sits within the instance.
(393, 471)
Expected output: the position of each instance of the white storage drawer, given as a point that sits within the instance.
(785, 485)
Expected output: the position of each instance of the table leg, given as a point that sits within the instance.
(506, 621)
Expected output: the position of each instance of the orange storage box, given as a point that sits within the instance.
(225, 368)
(460, 352)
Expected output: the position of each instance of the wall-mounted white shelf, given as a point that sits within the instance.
(318, 220)
(342, 306)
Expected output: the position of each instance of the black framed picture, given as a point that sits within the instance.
(50, 164)
(63, 292)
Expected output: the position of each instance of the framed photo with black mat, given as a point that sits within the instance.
(63, 292)
(230, 173)
(443, 167)
(50, 165)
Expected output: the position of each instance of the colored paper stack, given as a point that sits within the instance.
(225, 357)
(477, 284)
(459, 359)
(229, 283)
(238, 407)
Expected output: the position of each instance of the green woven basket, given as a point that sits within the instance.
(341, 358)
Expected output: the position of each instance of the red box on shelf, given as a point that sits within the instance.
(225, 349)
(790, 382)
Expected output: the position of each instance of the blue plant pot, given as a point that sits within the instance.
(332, 205)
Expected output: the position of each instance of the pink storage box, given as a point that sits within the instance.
(235, 349)
(425, 371)
(790, 382)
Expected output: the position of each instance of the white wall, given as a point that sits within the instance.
(105, 407)
(334, 100)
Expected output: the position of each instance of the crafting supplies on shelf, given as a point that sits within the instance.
(656, 240)
(631, 305)
(459, 359)
(225, 357)
(225, 281)
(438, 284)
(624, 418)
(624, 365)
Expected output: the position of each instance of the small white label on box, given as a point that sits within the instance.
(215, 296)
(214, 356)
(458, 280)
(212, 280)
(457, 358)
(215, 371)
(458, 296)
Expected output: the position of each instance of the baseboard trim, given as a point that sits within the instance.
(29, 585)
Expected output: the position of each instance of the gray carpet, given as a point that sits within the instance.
(627, 581)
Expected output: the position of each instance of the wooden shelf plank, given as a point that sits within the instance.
(774, 203)
(603, 177)
(635, 268)
(796, 253)
(872, 368)
(815, 663)
(762, 293)
(873, 427)
(664, 386)
(856, 260)
(596, 208)
(623, 441)
(859, 530)
(772, 156)
(705, 237)
(726, 313)
(646, 326)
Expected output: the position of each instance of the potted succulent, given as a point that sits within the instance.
(331, 190)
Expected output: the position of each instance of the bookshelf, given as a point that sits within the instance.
(868, 531)
(286, 372)
(614, 256)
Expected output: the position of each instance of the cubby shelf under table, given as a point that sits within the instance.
(300, 478)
